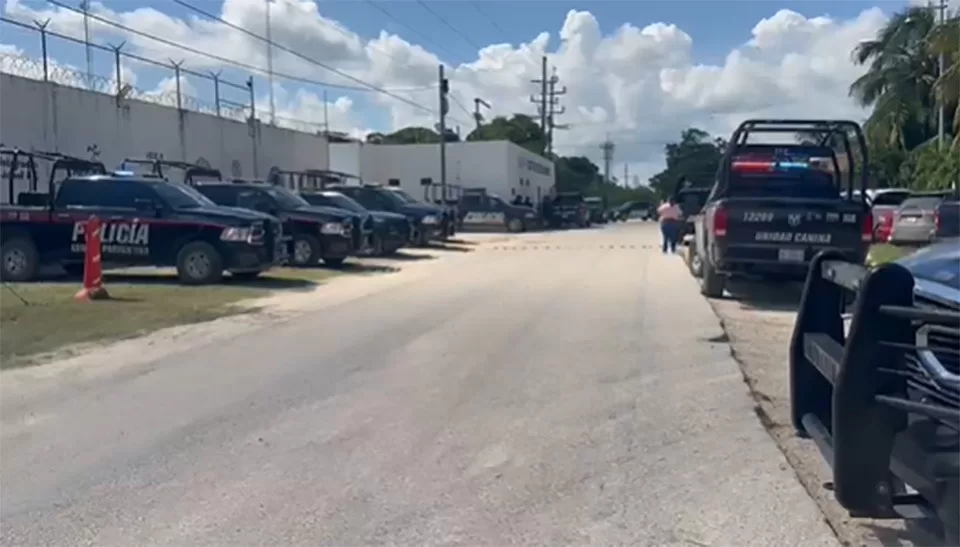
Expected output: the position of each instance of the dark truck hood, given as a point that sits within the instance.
(225, 215)
(321, 214)
(384, 217)
(937, 265)
(421, 209)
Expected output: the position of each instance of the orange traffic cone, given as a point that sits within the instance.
(93, 288)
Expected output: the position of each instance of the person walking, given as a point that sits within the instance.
(669, 214)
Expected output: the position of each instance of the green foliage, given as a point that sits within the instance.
(903, 87)
(519, 129)
(696, 158)
(929, 168)
(411, 135)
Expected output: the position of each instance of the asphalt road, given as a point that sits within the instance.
(568, 388)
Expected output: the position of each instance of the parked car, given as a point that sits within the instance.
(884, 204)
(148, 221)
(774, 206)
(882, 401)
(914, 223)
(428, 221)
(947, 218)
(391, 231)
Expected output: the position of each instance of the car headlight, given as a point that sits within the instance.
(236, 233)
(429, 219)
(332, 229)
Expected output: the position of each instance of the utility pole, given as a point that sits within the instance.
(553, 111)
(626, 174)
(273, 105)
(477, 116)
(442, 126)
(941, 67)
(607, 148)
(542, 101)
(85, 6)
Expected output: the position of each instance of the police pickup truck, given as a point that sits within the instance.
(391, 231)
(319, 233)
(774, 206)
(147, 222)
(568, 208)
(429, 223)
(482, 211)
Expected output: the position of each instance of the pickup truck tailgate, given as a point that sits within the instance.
(766, 230)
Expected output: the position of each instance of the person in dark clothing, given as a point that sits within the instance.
(527, 202)
(518, 199)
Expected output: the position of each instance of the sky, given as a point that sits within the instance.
(637, 71)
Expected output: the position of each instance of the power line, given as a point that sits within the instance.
(445, 22)
(490, 19)
(224, 60)
(408, 27)
(299, 55)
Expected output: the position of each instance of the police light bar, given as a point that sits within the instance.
(758, 167)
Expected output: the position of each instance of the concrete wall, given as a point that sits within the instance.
(46, 116)
(499, 166)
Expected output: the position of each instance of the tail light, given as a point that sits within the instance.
(936, 220)
(720, 219)
(866, 228)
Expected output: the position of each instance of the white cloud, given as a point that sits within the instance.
(640, 85)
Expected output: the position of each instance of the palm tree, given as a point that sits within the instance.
(900, 80)
(945, 39)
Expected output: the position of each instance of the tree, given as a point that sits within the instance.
(696, 157)
(519, 129)
(411, 135)
(930, 168)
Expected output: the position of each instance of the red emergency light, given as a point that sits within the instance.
(761, 166)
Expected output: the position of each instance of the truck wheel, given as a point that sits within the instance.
(306, 250)
(21, 261)
(334, 262)
(696, 263)
(199, 263)
(711, 283)
(515, 225)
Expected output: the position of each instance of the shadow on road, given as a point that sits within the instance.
(265, 281)
(916, 535)
(461, 242)
(362, 268)
(766, 295)
(404, 257)
(445, 247)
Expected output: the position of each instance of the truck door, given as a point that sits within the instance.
(131, 232)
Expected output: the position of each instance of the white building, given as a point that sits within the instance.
(502, 167)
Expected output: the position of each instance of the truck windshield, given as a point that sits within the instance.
(181, 196)
(343, 202)
(404, 197)
(285, 198)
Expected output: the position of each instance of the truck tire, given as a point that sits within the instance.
(515, 226)
(711, 283)
(20, 260)
(306, 250)
(696, 262)
(199, 263)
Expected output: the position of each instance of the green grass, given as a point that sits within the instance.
(38, 318)
(883, 253)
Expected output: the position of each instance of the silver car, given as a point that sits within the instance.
(915, 223)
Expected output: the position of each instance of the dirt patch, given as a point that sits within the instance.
(760, 342)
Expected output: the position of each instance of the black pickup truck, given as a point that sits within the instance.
(774, 206)
(319, 233)
(391, 231)
(429, 223)
(147, 222)
(480, 211)
(569, 209)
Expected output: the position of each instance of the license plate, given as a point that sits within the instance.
(790, 255)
